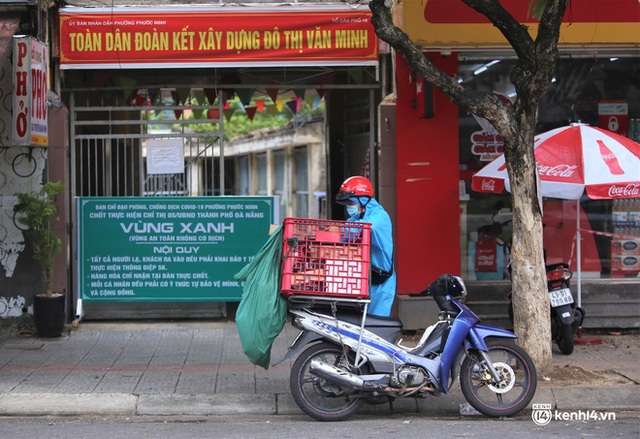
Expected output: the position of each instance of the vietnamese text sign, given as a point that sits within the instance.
(30, 91)
(168, 249)
(134, 38)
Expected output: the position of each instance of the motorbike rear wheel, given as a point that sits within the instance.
(317, 397)
(509, 396)
(564, 339)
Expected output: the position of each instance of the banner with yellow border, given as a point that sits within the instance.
(209, 37)
(451, 23)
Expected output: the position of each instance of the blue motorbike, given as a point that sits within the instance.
(347, 358)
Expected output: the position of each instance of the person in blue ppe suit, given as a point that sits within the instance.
(356, 193)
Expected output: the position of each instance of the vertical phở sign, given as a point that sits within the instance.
(30, 91)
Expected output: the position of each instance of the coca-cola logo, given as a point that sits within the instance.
(488, 185)
(610, 159)
(563, 171)
(628, 191)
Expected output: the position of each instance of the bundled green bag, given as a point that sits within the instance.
(262, 312)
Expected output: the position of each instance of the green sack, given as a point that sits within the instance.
(262, 312)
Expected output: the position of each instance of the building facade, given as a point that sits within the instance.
(121, 78)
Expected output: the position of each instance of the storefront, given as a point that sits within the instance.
(133, 76)
(443, 225)
(27, 141)
(133, 73)
(582, 91)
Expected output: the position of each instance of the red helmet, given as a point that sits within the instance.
(355, 186)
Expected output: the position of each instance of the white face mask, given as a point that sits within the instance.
(352, 209)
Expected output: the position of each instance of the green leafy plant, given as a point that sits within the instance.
(38, 212)
(536, 8)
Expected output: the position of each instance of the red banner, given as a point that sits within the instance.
(100, 38)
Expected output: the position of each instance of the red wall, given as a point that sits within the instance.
(427, 173)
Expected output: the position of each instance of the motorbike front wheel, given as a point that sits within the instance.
(317, 397)
(518, 379)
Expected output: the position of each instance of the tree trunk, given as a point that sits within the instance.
(528, 276)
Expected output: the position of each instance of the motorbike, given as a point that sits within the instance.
(566, 316)
(346, 358)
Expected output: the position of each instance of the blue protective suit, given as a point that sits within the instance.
(381, 254)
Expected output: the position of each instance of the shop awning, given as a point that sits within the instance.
(8, 25)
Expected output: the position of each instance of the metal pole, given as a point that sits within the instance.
(221, 142)
(579, 250)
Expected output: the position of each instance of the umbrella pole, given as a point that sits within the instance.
(579, 250)
(581, 339)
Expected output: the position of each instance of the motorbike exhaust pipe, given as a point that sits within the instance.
(341, 376)
(332, 373)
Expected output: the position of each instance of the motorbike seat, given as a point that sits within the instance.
(386, 322)
(355, 317)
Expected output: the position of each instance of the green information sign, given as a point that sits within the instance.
(168, 249)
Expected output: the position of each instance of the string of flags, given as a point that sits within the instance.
(186, 97)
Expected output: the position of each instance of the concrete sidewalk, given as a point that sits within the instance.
(198, 368)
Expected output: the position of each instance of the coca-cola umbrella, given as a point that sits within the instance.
(573, 160)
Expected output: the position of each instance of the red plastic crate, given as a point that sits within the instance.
(326, 258)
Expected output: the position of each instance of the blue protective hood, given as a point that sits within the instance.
(381, 253)
(362, 201)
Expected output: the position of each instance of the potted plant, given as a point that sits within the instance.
(38, 213)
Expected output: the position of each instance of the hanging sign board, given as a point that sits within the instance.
(30, 91)
(450, 24)
(614, 116)
(215, 36)
(168, 249)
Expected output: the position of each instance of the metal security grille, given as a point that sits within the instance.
(111, 153)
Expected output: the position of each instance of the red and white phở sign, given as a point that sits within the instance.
(30, 91)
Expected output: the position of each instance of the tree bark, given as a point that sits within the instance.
(531, 77)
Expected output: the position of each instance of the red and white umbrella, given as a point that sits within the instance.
(573, 160)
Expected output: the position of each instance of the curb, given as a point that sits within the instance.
(114, 404)
(64, 404)
(120, 404)
(207, 405)
(601, 399)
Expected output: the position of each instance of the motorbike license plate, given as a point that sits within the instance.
(560, 297)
